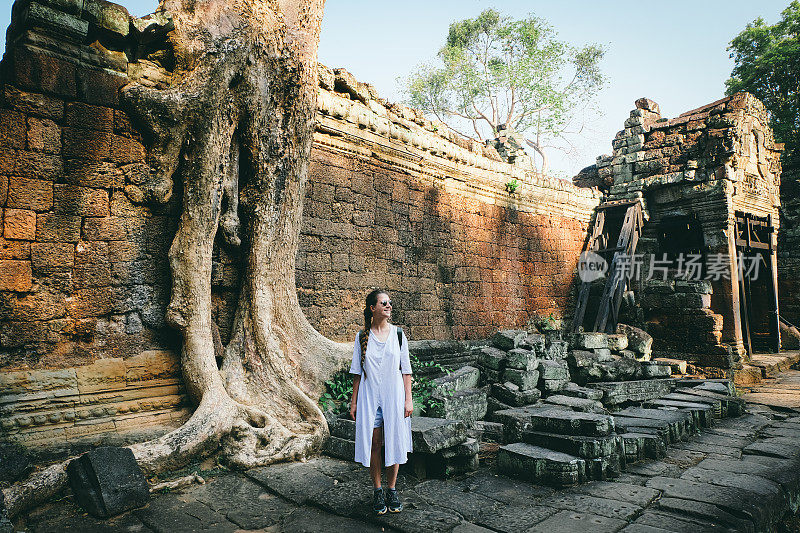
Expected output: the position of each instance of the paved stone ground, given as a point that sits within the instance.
(741, 475)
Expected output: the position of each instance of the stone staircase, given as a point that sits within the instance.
(554, 444)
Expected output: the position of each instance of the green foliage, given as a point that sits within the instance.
(767, 65)
(339, 389)
(512, 185)
(494, 70)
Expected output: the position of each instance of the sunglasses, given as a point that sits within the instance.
(386, 303)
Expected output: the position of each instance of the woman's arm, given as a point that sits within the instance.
(354, 398)
(409, 400)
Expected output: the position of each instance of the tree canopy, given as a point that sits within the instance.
(767, 65)
(494, 71)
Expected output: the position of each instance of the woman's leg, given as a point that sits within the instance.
(391, 474)
(376, 457)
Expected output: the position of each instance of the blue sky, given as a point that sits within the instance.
(673, 52)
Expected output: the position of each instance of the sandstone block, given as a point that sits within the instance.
(126, 150)
(576, 404)
(109, 17)
(44, 135)
(589, 340)
(14, 249)
(572, 389)
(24, 193)
(85, 143)
(553, 370)
(638, 340)
(51, 227)
(617, 342)
(15, 276)
(12, 129)
(151, 365)
(522, 359)
(91, 302)
(556, 350)
(492, 358)
(540, 464)
(49, 257)
(524, 379)
(108, 481)
(34, 103)
(103, 374)
(38, 165)
(510, 394)
(19, 224)
(508, 339)
(466, 405)
(40, 72)
(84, 116)
(94, 174)
(655, 369)
(340, 448)
(80, 201)
(464, 378)
(103, 229)
(637, 391)
(429, 435)
(534, 342)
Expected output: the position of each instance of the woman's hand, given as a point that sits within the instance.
(409, 407)
(353, 410)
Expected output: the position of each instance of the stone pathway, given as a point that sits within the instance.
(741, 475)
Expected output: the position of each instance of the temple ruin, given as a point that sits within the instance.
(393, 200)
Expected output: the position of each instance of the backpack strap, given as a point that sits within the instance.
(400, 341)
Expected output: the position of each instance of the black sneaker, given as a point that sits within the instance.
(393, 501)
(378, 504)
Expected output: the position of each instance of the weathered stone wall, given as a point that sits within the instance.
(701, 166)
(392, 200)
(789, 241)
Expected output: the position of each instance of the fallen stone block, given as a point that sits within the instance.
(617, 342)
(541, 465)
(619, 369)
(603, 355)
(434, 466)
(493, 405)
(466, 405)
(492, 358)
(107, 481)
(576, 391)
(534, 342)
(511, 394)
(553, 370)
(467, 448)
(429, 435)
(464, 378)
(524, 379)
(663, 428)
(520, 359)
(341, 448)
(678, 366)
(615, 393)
(486, 431)
(582, 359)
(551, 386)
(556, 350)
(633, 445)
(576, 404)
(508, 339)
(638, 339)
(654, 369)
(588, 340)
(489, 376)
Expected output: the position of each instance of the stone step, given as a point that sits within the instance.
(649, 445)
(731, 405)
(487, 431)
(464, 378)
(720, 386)
(683, 423)
(344, 428)
(576, 391)
(467, 405)
(429, 435)
(340, 448)
(576, 404)
(656, 369)
(583, 447)
(618, 392)
(716, 405)
(554, 420)
(702, 413)
(540, 465)
(661, 428)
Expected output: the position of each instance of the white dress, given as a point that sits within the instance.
(383, 386)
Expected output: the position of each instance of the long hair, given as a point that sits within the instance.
(372, 299)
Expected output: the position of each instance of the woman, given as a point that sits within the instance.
(381, 404)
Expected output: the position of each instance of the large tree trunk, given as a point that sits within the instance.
(236, 127)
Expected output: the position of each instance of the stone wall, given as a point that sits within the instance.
(789, 241)
(392, 200)
(700, 168)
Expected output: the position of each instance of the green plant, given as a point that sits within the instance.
(512, 185)
(338, 391)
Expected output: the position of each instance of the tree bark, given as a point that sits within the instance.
(235, 129)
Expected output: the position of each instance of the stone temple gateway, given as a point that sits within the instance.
(393, 200)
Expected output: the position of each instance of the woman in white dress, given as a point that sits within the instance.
(381, 404)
